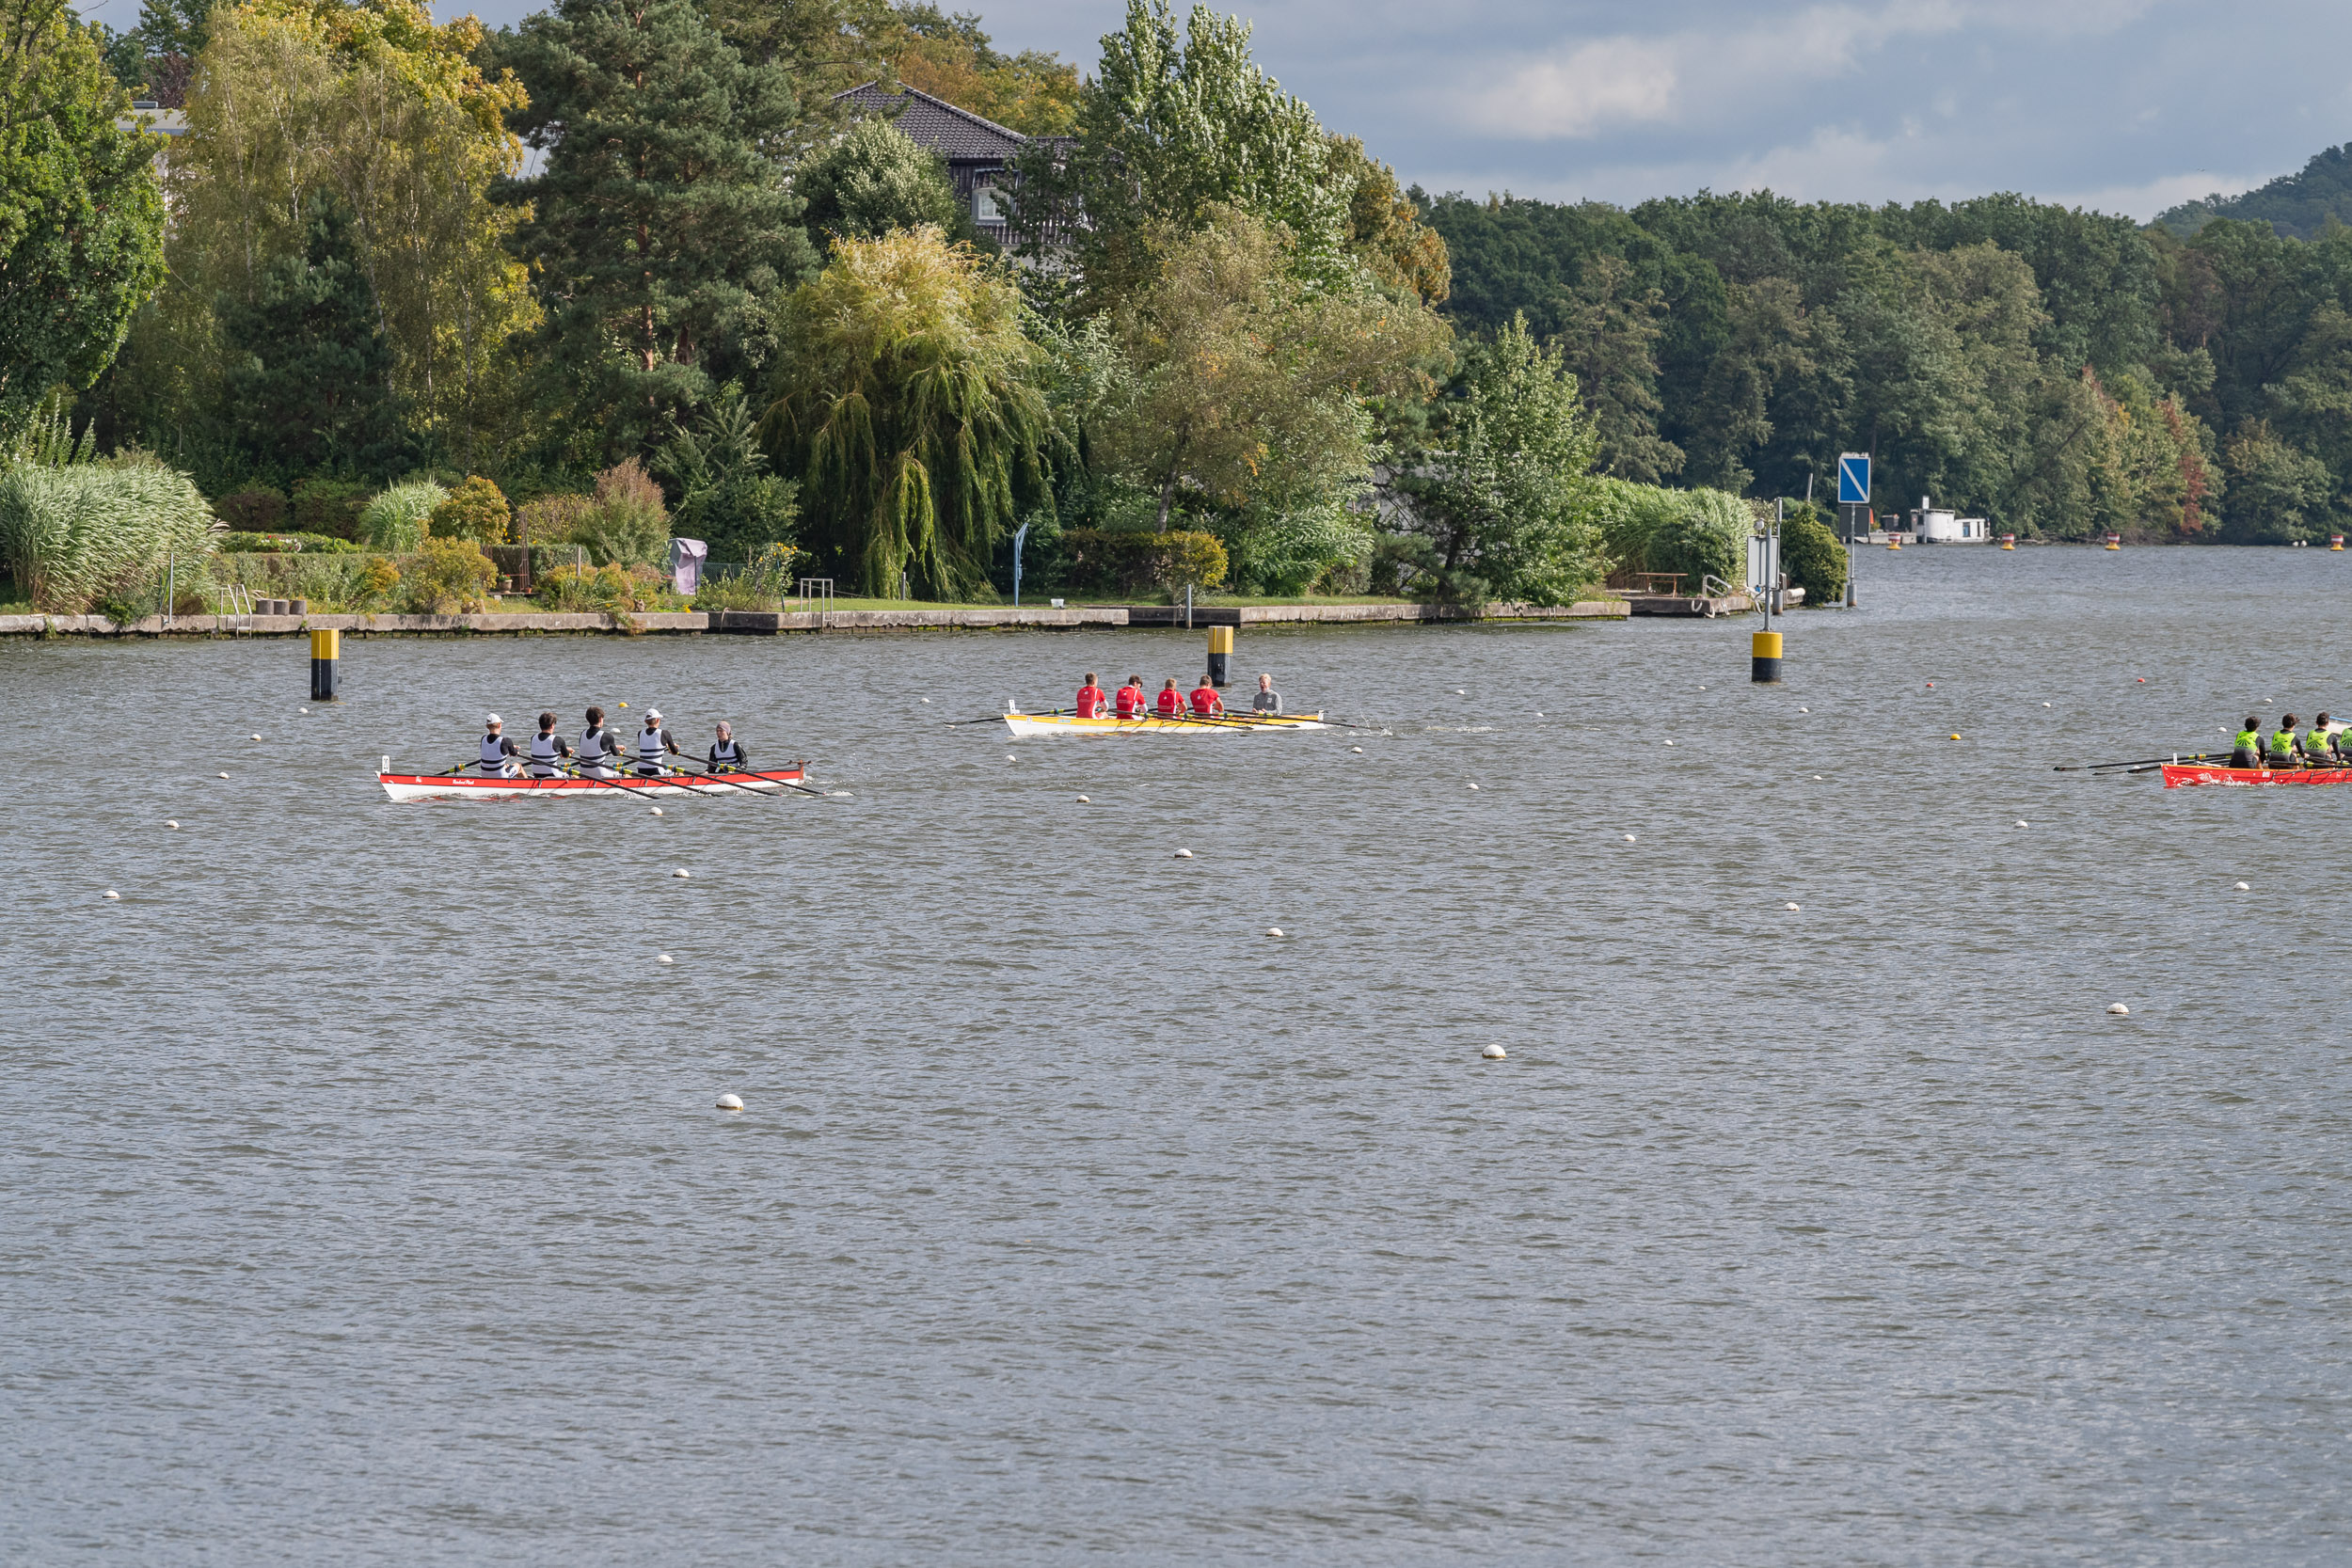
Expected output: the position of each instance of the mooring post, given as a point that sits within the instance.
(1220, 653)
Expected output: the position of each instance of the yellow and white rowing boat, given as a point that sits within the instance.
(1027, 724)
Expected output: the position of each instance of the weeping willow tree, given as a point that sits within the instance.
(909, 411)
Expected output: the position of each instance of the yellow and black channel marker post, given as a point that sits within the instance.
(1764, 647)
(1220, 653)
(325, 648)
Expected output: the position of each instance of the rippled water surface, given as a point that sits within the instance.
(364, 1201)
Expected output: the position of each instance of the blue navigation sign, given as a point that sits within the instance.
(1853, 479)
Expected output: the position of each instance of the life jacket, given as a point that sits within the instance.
(1089, 701)
(544, 751)
(2283, 742)
(725, 754)
(2249, 741)
(1171, 701)
(2318, 746)
(1205, 700)
(494, 759)
(1130, 701)
(595, 747)
(649, 751)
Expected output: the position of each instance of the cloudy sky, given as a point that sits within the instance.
(2127, 105)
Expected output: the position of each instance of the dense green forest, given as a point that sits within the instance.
(414, 312)
(2300, 205)
(2061, 372)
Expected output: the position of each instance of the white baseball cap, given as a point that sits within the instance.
(654, 713)
(494, 719)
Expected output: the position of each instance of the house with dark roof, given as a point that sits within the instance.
(980, 152)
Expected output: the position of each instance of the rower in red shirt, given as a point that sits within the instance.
(1090, 699)
(1171, 702)
(1205, 702)
(1130, 698)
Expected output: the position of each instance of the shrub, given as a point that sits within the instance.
(475, 510)
(628, 526)
(400, 518)
(1812, 557)
(450, 576)
(255, 509)
(74, 533)
(550, 519)
(761, 585)
(1126, 562)
(323, 505)
(286, 544)
(1646, 528)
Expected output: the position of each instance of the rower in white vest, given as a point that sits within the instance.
(547, 750)
(497, 752)
(727, 755)
(652, 742)
(597, 748)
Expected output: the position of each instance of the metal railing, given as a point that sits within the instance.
(817, 591)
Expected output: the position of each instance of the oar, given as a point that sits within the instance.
(2095, 767)
(751, 789)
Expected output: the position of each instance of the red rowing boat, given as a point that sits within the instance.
(2178, 774)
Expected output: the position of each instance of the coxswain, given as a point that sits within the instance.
(727, 755)
(2284, 752)
(1267, 699)
(597, 748)
(2248, 753)
(2319, 747)
(653, 742)
(497, 752)
(1171, 702)
(1090, 699)
(547, 750)
(1131, 700)
(1206, 703)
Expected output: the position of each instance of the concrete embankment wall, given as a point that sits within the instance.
(770, 623)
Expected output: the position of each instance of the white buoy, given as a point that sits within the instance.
(112, 893)
(2045, 705)
(304, 711)
(1669, 742)
(1788, 906)
(1702, 688)
(1817, 778)
(1274, 930)
(224, 775)
(1083, 801)
(656, 810)
(1459, 693)
(1805, 710)
(2240, 887)
(1473, 786)
(927, 699)
(730, 1102)
(2118, 1009)
(170, 824)
(1630, 839)
(1010, 757)
(1539, 715)
(1495, 1053)
(663, 958)
(1357, 750)
(257, 737)
(679, 873)
(2020, 822)
(1183, 854)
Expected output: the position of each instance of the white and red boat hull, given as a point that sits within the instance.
(2180, 775)
(476, 787)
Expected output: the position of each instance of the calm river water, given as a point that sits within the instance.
(365, 1203)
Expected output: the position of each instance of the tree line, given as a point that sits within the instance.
(2064, 374)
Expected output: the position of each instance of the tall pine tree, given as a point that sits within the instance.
(309, 378)
(662, 225)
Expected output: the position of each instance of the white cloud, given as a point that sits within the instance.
(2147, 198)
(1586, 88)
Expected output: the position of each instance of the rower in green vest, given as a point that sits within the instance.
(2283, 748)
(2319, 747)
(2250, 746)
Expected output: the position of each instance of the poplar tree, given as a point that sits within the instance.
(661, 226)
(81, 214)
